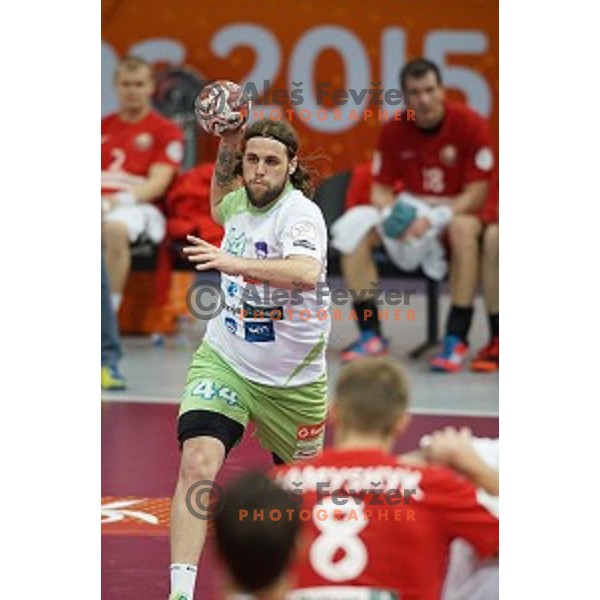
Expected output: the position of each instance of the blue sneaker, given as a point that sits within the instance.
(452, 356)
(369, 344)
(112, 379)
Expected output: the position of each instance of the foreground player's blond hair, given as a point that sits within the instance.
(372, 396)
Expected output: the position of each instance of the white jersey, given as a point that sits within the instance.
(470, 578)
(273, 336)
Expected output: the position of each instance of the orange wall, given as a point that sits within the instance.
(463, 34)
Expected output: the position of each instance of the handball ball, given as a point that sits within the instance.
(221, 106)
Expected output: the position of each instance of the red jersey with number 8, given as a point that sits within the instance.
(376, 523)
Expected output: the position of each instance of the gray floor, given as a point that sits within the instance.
(156, 374)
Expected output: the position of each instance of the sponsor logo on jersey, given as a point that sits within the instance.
(304, 244)
(234, 242)
(310, 432)
(306, 453)
(273, 313)
(304, 230)
(231, 325)
(143, 141)
(261, 331)
(236, 310)
(232, 288)
(484, 159)
(174, 151)
(448, 155)
(261, 249)
(309, 440)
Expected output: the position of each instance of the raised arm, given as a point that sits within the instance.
(224, 180)
(453, 448)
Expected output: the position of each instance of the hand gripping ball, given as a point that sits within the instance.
(221, 106)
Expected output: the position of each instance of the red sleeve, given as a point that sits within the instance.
(386, 167)
(480, 160)
(169, 147)
(462, 516)
(359, 188)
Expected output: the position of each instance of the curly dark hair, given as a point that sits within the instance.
(283, 132)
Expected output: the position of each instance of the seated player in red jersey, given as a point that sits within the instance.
(441, 154)
(141, 153)
(376, 524)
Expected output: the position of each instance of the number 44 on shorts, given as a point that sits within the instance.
(209, 390)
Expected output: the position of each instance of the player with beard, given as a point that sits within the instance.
(259, 361)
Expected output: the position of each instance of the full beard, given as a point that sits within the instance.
(264, 198)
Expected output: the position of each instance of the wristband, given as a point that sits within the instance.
(125, 199)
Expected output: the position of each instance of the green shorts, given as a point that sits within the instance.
(290, 421)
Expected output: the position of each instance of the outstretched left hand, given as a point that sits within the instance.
(209, 257)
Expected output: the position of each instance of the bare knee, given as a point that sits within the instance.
(491, 238)
(115, 235)
(199, 462)
(464, 232)
(373, 239)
